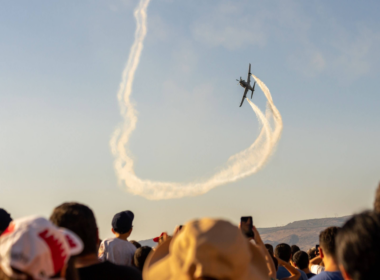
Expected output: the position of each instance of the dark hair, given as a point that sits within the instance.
(283, 252)
(358, 246)
(275, 262)
(327, 240)
(5, 219)
(312, 253)
(81, 220)
(294, 249)
(140, 256)
(269, 248)
(3, 276)
(137, 245)
(301, 259)
(376, 205)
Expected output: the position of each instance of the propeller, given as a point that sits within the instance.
(253, 89)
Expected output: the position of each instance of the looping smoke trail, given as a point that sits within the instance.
(238, 166)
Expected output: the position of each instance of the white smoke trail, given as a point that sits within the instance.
(238, 166)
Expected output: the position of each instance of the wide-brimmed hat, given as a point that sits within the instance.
(206, 248)
(36, 247)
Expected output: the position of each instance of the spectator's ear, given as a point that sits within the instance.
(321, 254)
(113, 231)
(344, 273)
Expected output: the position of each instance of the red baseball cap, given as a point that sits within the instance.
(156, 239)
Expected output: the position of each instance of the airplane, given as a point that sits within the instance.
(247, 85)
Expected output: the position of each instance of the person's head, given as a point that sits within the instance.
(122, 223)
(312, 253)
(327, 242)
(5, 219)
(283, 252)
(33, 248)
(137, 245)
(301, 260)
(81, 220)
(206, 249)
(358, 247)
(294, 249)
(269, 248)
(377, 200)
(140, 256)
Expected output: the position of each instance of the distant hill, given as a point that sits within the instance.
(303, 233)
(148, 242)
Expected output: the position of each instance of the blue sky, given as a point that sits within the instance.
(60, 69)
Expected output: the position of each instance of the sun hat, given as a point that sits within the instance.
(36, 247)
(122, 222)
(206, 248)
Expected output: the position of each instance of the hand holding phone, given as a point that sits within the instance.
(246, 224)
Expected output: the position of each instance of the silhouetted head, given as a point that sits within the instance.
(269, 248)
(294, 249)
(80, 219)
(358, 246)
(283, 252)
(301, 259)
(5, 219)
(140, 256)
(137, 245)
(327, 241)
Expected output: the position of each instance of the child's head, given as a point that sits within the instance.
(122, 222)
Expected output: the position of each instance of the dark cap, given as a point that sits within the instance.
(5, 219)
(122, 222)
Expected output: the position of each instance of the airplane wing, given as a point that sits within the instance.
(244, 96)
(249, 74)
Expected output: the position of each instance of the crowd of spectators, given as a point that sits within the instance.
(67, 246)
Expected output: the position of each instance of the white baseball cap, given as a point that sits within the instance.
(36, 247)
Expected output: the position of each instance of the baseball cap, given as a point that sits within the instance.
(157, 239)
(34, 246)
(122, 222)
(206, 248)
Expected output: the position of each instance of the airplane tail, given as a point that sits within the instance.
(253, 89)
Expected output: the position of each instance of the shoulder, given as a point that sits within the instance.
(111, 270)
(107, 241)
(303, 274)
(327, 275)
(131, 272)
(316, 269)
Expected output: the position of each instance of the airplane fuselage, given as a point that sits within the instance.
(244, 84)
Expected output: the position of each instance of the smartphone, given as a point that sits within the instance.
(317, 249)
(246, 226)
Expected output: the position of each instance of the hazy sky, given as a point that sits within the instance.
(61, 64)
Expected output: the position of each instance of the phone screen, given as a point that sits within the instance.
(246, 226)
